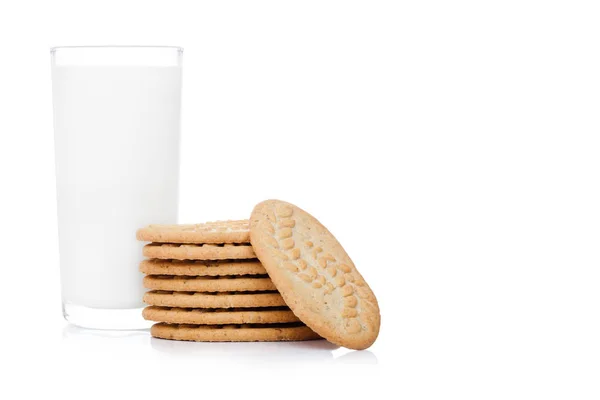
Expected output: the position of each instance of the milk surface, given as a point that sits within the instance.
(117, 160)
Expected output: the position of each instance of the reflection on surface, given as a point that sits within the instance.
(76, 333)
(319, 351)
(357, 357)
(139, 341)
(256, 352)
(94, 339)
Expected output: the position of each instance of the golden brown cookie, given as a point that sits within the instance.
(219, 316)
(209, 232)
(213, 300)
(314, 274)
(234, 333)
(202, 268)
(209, 283)
(178, 251)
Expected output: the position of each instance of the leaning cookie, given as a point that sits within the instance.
(314, 274)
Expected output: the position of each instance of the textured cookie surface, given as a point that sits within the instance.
(209, 283)
(234, 333)
(209, 232)
(178, 251)
(220, 316)
(314, 274)
(213, 300)
(202, 268)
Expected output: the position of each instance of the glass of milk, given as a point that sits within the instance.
(116, 129)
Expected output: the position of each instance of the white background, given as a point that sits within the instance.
(451, 146)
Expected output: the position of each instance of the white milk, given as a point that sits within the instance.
(117, 162)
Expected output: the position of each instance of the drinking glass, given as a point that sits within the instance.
(116, 131)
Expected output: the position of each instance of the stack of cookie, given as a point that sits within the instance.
(206, 284)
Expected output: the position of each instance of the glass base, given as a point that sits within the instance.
(105, 318)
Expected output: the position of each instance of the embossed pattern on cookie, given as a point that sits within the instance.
(314, 274)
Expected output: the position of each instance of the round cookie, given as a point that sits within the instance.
(208, 232)
(202, 268)
(209, 283)
(314, 274)
(178, 251)
(213, 300)
(219, 316)
(234, 333)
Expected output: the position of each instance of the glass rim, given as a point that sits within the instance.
(55, 48)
